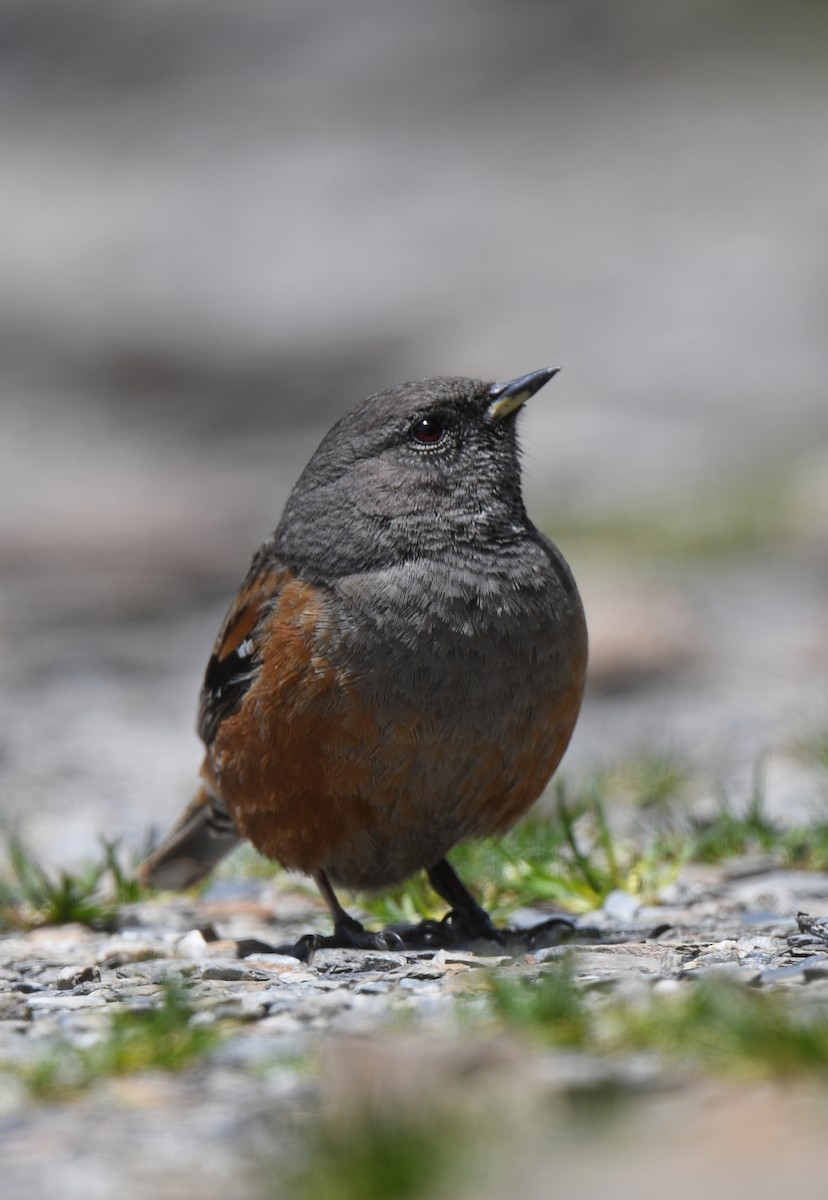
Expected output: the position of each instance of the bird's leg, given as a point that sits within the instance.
(466, 922)
(467, 917)
(348, 933)
(470, 921)
(346, 927)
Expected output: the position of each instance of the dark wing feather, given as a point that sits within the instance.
(236, 659)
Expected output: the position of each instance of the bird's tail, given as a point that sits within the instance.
(193, 846)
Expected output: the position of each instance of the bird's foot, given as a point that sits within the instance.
(546, 933)
(348, 934)
(460, 928)
(473, 925)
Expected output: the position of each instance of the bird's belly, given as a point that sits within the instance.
(436, 783)
(371, 777)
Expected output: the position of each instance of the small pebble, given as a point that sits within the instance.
(71, 977)
(230, 972)
(814, 968)
(620, 907)
(53, 1003)
(192, 945)
(732, 972)
(794, 972)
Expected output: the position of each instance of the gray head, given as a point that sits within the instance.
(411, 472)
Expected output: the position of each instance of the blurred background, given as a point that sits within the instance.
(223, 224)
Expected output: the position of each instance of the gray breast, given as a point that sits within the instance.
(497, 635)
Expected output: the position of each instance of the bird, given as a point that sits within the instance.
(402, 667)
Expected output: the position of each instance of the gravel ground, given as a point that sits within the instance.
(353, 1031)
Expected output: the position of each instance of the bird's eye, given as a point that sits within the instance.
(428, 431)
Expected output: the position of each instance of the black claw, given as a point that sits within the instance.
(545, 933)
(302, 949)
(247, 946)
(659, 930)
(427, 935)
(389, 939)
(474, 925)
(456, 930)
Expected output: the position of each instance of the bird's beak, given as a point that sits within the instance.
(506, 398)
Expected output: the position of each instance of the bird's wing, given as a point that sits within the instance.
(236, 658)
(205, 833)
